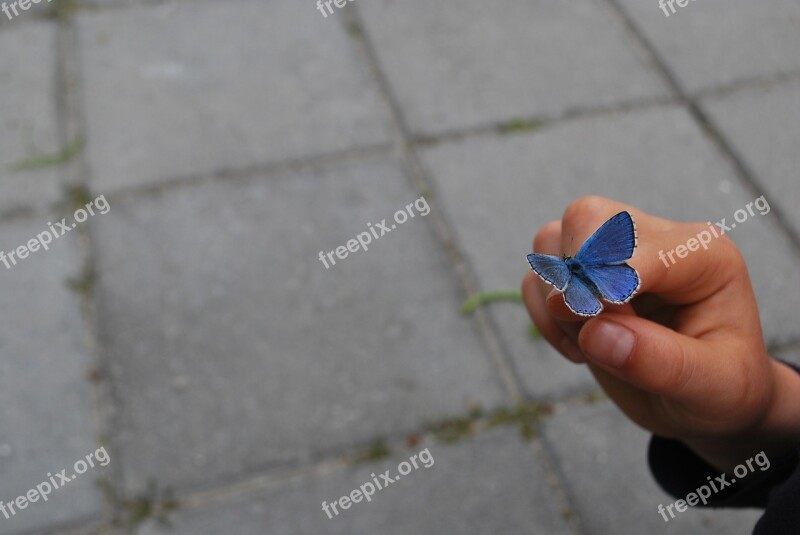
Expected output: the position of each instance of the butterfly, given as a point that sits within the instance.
(597, 271)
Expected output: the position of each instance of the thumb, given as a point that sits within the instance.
(648, 355)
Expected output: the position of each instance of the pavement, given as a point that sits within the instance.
(192, 333)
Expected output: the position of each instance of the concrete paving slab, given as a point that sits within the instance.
(234, 348)
(790, 354)
(489, 484)
(453, 64)
(603, 457)
(45, 395)
(714, 42)
(762, 125)
(546, 375)
(191, 88)
(235, 353)
(498, 190)
(28, 114)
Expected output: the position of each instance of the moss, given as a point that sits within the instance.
(378, 450)
(427, 192)
(476, 411)
(452, 430)
(83, 283)
(520, 125)
(41, 161)
(596, 396)
(63, 9)
(76, 197)
(534, 333)
(153, 504)
(354, 28)
(525, 415)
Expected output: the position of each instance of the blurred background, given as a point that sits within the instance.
(235, 381)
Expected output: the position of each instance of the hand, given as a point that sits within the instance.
(686, 358)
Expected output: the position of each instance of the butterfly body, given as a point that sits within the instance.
(599, 269)
(577, 270)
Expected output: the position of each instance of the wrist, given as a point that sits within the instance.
(776, 432)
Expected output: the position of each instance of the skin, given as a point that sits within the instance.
(685, 359)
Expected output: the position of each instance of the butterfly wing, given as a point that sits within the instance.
(580, 299)
(617, 283)
(602, 258)
(551, 269)
(612, 243)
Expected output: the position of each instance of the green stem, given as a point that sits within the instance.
(477, 299)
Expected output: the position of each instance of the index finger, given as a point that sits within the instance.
(698, 272)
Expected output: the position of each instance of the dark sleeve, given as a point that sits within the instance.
(777, 488)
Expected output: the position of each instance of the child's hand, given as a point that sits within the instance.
(686, 358)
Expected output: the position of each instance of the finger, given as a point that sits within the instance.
(693, 276)
(572, 329)
(550, 329)
(548, 241)
(659, 360)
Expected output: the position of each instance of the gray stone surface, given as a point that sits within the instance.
(603, 457)
(498, 190)
(489, 484)
(240, 369)
(544, 372)
(452, 66)
(234, 348)
(790, 353)
(191, 88)
(46, 414)
(715, 42)
(27, 114)
(762, 125)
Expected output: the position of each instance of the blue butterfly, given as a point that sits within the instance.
(597, 271)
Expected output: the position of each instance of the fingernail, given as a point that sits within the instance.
(610, 344)
(572, 351)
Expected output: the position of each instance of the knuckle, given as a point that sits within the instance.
(584, 206)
